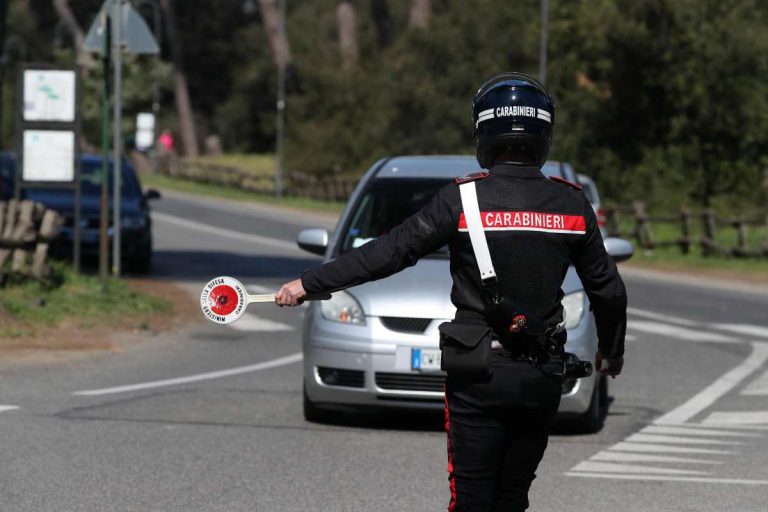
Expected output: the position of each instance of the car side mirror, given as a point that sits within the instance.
(619, 248)
(314, 240)
(152, 194)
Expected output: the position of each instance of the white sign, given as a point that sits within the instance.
(49, 95)
(145, 130)
(49, 155)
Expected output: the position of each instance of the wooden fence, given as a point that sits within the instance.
(26, 230)
(710, 226)
(295, 184)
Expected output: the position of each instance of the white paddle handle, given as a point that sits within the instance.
(266, 297)
(270, 297)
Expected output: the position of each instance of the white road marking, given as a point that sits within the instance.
(717, 389)
(253, 323)
(642, 457)
(676, 332)
(661, 439)
(659, 316)
(630, 337)
(756, 331)
(227, 233)
(759, 386)
(609, 467)
(266, 365)
(665, 429)
(624, 446)
(737, 418)
(670, 478)
(4, 408)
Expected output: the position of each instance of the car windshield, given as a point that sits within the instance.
(387, 203)
(90, 179)
(589, 191)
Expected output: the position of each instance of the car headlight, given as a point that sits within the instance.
(343, 308)
(573, 306)
(134, 222)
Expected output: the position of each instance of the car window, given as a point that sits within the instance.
(90, 179)
(387, 203)
(589, 191)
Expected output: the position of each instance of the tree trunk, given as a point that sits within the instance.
(181, 90)
(382, 21)
(279, 45)
(281, 50)
(78, 36)
(346, 17)
(420, 12)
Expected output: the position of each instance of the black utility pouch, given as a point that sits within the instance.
(466, 349)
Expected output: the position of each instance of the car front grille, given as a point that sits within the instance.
(406, 324)
(410, 381)
(340, 377)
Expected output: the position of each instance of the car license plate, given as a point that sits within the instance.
(425, 359)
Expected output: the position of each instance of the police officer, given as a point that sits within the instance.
(498, 426)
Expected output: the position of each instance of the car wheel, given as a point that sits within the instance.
(313, 412)
(592, 420)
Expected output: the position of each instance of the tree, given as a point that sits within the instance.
(382, 22)
(68, 18)
(181, 90)
(348, 47)
(420, 12)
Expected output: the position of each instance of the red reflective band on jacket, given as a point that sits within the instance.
(530, 221)
(451, 478)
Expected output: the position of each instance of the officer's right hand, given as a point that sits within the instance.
(609, 365)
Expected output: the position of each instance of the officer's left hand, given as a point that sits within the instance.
(290, 294)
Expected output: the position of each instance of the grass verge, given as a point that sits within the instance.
(68, 301)
(205, 189)
(258, 164)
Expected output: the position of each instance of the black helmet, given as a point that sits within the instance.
(512, 111)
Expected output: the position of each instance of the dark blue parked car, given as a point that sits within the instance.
(136, 225)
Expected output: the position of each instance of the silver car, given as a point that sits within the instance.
(376, 345)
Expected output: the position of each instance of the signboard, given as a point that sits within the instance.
(49, 95)
(145, 131)
(49, 155)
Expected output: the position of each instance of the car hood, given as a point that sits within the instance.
(421, 291)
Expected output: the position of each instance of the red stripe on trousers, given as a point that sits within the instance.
(451, 479)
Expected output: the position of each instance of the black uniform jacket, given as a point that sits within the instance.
(536, 227)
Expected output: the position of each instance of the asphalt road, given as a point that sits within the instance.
(209, 418)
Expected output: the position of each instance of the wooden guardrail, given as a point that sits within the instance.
(711, 228)
(296, 184)
(26, 231)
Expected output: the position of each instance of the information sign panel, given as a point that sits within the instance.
(49, 95)
(145, 130)
(49, 155)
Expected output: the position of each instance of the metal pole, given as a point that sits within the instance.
(104, 211)
(543, 42)
(117, 144)
(280, 102)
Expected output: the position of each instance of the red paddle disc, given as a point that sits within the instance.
(222, 300)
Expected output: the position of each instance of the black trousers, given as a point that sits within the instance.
(497, 432)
